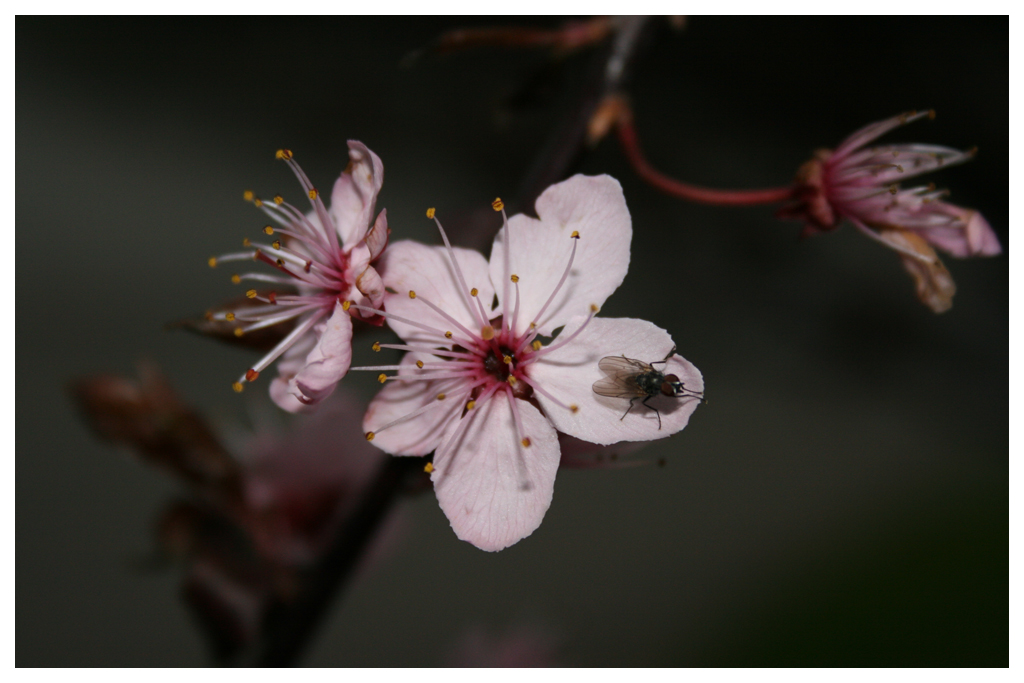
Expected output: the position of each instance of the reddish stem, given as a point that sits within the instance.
(693, 193)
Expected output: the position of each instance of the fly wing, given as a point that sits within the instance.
(623, 386)
(614, 366)
(621, 379)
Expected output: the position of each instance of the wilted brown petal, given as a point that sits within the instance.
(147, 416)
(933, 283)
(213, 325)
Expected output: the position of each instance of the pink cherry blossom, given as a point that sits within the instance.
(326, 255)
(480, 389)
(859, 184)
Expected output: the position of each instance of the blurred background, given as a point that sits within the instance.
(841, 500)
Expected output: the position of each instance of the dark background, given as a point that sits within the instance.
(842, 499)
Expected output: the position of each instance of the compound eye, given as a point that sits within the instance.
(671, 386)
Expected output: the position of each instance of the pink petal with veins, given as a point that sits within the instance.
(595, 207)
(570, 372)
(493, 490)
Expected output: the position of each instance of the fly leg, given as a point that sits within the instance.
(665, 359)
(645, 402)
(629, 408)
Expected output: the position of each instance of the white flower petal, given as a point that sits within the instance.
(409, 266)
(418, 435)
(595, 207)
(569, 373)
(493, 490)
(355, 193)
(329, 360)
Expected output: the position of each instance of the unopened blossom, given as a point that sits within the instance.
(326, 256)
(479, 387)
(861, 184)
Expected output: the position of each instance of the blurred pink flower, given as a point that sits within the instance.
(318, 351)
(859, 184)
(480, 389)
(519, 646)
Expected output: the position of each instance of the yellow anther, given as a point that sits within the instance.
(526, 442)
(251, 375)
(278, 199)
(284, 154)
(369, 436)
(376, 347)
(931, 114)
(487, 333)
(255, 254)
(237, 386)
(533, 326)
(280, 262)
(428, 468)
(345, 306)
(474, 291)
(574, 408)
(512, 380)
(412, 294)
(229, 316)
(440, 397)
(382, 378)
(269, 230)
(258, 202)
(212, 262)
(515, 278)
(594, 308)
(430, 213)
(448, 335)
(313, 193)
(236, 278)
(276, 244)
(507, 360)
(537, 346)
(239, 331)
(497, 204)
(419, 364)
(575, 234)
(471, 405)
(247, 195)
(246, 242)
(251, 294)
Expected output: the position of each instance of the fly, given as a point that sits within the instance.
(637, 380)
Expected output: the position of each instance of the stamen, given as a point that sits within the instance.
(499, 206)
(376, 346)
(419, 411)
(443, 314)
(434, 352)
(538, 319)
(392, 316)
(458, 272)
(428, 468)
(545, 394)
(314, 196)
(515, 310)
(285, 343)
(559, 343)
(523, 439)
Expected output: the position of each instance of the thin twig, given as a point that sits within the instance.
(288, 632)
